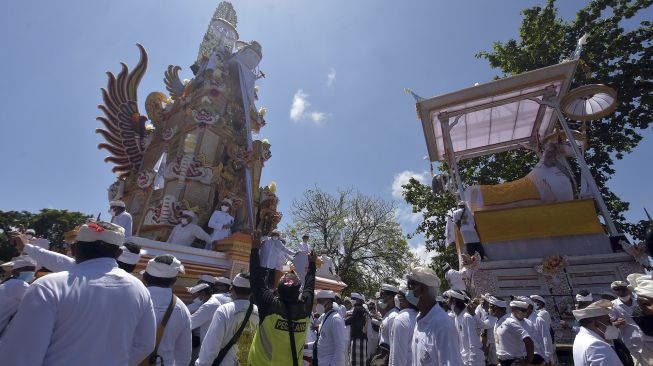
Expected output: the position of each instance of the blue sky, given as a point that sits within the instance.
(341, 64)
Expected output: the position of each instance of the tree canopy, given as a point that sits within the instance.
(619, 54)
(375, 249)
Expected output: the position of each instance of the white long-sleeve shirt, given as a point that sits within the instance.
(94, 314)
(591, 350)
(386, 325)
(224, 324)
(467, 225)
(536, 336)
(55, 262)
(217, 222)
(273, 253)
(11, 292)
(202, 317)
(457, 278)
(124, 219)
(401, 336)
(176, 344)
(630, 332)
(471, 349)
(434, 342)
(186, 235)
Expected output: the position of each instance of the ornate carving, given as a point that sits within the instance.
(154, 107)
(174, 85)
(268, 218)
(125, 127)
(116, 190)
(194, 170)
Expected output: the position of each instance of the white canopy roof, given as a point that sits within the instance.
(496, 116)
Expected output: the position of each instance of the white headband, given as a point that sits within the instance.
(223, 280)
(594, 310)
(518, 304)
(102, 231)
(22, 261)
(207, 278)
(158, 269)
(581, 298)
(240, 281)
(496, 302)
(128, 257)
(197, 288)
(454, 294)
(538, 298)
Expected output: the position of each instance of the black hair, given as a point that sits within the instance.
(461, 304)
(132, 247)
(583, 292)
(585, 322)
(129, 268)
(86, 250)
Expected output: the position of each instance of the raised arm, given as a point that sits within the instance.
(56, 262)
(309, 284)
(263, 296)
(202, 235)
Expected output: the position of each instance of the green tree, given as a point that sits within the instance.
(622, 59)
(48, 223)
(375, 249)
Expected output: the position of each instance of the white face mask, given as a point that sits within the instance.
(625, 298)
(111, 212)
(397, 302)
(27, 276)
(29, 236)
(184, 221)
(319, 308)
(382, 305)
(224, 208)
(275, 238)
(611, 332)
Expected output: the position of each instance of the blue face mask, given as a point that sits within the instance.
(411, 298)
(27, 276)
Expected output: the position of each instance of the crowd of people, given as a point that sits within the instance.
(92, 309)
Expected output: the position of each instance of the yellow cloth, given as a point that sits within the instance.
(575, 217)
(518, 190)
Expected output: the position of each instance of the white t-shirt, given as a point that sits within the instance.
(457, 279)
(186, 235)
(467, 225)
(124, 219)
(591, 350)
(434, 340)
(509, 338)
(201, 318)
(470, 342)
(401, 336)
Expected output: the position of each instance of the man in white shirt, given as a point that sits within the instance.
(93, 314)
(486, 321)
(304, 246)
(401, 334)
(13, 288)
(121, 217)
(228, 318)
(622, 317)
(202, 317)
(464, 220)
(174, 347)
(387, 295)
(547, 334)
(434, 339)
(273, 253)
(457, 279)
(331, 346)
(534, 326)
(471, 349)
(221, 221)
(513, 342)
(201, 292)
(590, 345)
(187, 231)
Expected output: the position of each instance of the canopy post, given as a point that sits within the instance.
(584, 169)
(451, 155)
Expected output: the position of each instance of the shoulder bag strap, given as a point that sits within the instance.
(151, 360)
(234, 339)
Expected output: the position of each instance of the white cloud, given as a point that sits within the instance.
(405, 215)
(422, 255)
(317, 117)
(402, 178)
(299, 109)
(331, 77)
(299, 104)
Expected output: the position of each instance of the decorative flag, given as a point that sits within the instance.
(159, 169)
